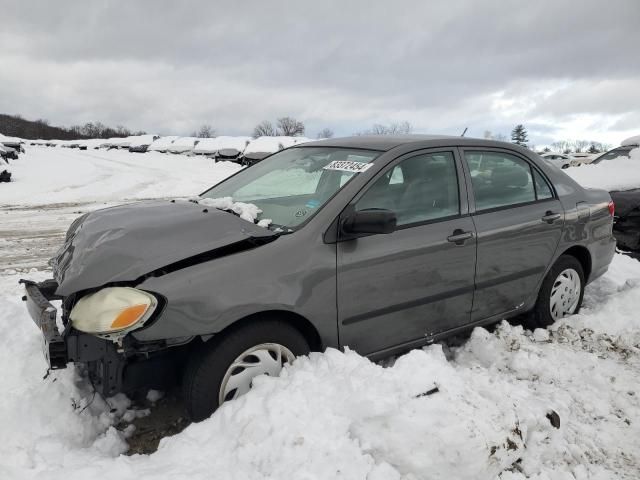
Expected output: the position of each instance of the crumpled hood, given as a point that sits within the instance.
(124, 243)
(626, 201)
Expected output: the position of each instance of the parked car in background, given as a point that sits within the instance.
(5, 173)
(560, 160)
(162, 144)
(262, 147)
(578, 159)
(627, 220)
(222, 147)
(140, 143)
(378, 243)
(183, 145)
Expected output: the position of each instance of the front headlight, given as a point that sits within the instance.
(113, 310)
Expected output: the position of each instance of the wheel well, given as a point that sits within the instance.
(300, 323)
(583, 256)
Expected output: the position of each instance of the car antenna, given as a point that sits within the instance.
(465, 131)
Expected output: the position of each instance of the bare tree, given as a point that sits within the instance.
(206, 131)
(290, 127)
(488, 135)
(402, 128)
(264, 129)
(325, 133)
(580, 145)
(501, 137)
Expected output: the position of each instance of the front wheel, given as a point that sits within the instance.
(561, 292)
(225, 369)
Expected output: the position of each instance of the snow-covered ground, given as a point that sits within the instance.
(475, 411)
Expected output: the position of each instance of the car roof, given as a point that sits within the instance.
(388, 142)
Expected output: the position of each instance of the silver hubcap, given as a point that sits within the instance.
(565, 294)
(263, 359)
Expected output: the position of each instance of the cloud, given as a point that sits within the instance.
(169, 66)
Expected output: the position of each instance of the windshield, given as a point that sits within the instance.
(291, 186)
(615, 153)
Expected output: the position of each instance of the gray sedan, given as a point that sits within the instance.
(381, 244)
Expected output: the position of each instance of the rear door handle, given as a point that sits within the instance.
(459, 236)
(551, 217)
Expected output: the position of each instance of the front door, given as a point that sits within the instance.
(519, 222)
(399, 288)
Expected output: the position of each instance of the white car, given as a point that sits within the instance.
(560, 160)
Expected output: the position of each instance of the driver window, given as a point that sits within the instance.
(419, 189)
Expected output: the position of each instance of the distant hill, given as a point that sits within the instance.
(16, 126)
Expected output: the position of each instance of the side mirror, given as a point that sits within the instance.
(370, 221)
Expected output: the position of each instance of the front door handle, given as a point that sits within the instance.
(551, 217)
(459, 236)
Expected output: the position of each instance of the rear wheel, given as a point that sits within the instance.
(561, 292)
(225, 369)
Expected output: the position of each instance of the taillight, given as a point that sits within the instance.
(612, 208)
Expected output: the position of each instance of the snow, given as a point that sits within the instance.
(52, 176)
(246, 211)
(273, 144)
(235, 145)
(620, 173)
(477, 409)
(182, 145)
(140, 140)
(162, 143)
(635, 140)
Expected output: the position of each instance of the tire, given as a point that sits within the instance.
(208, 367)
(542, 312)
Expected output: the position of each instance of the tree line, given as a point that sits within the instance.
(16, 126)
(520, 136)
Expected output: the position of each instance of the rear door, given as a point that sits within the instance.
(403, 287)
(519, 222)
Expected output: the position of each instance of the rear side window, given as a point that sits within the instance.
(419, 189)
(500, 180)
(543, 189)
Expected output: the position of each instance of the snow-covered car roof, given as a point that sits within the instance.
(141, 140)
(214, 145)
(122, 142)
(631, 141)
(163, 143)
(11, 140)
(183, 144)
(263, 145)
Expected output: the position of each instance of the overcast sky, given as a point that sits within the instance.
(566, 69)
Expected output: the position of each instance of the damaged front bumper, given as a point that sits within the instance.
(111, 368)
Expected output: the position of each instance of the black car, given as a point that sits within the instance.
(626, 228)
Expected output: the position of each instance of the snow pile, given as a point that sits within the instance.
(631, 141)
(246, 211)
(484, 410)
(620, 173)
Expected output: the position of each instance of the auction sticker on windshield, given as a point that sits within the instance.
(348, 166)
